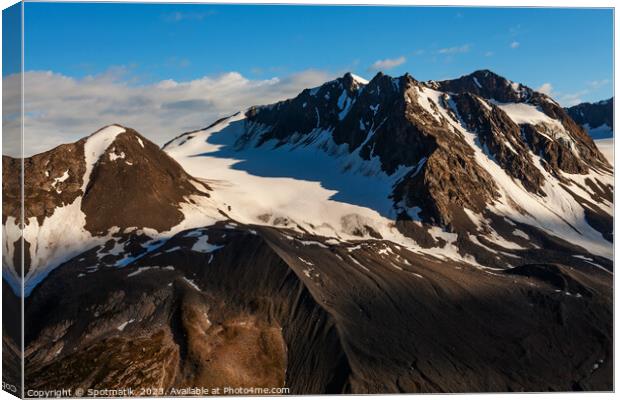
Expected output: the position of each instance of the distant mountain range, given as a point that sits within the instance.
(378, 236)
(597, 118)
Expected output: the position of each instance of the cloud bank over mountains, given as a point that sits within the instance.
(62, 109)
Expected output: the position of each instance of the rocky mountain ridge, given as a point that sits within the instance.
(597, 118)
(376, 236)
(461, 157)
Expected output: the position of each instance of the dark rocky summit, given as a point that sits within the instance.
(132, 184)
(142, 189)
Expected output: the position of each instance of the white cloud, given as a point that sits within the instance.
(598, 83)
(60, 109)
(488, 54)
(11, 114)
(454, 50)
(571, 99)
(574, 98)
(545, 88)
(514, 44)
(388, 63)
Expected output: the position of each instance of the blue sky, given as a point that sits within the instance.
(168, 69)
(569, 48)
(11, 43)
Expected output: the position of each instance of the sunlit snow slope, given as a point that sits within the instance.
(300, 164)
(321, 189)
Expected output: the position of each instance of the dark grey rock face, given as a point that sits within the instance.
(595, 115)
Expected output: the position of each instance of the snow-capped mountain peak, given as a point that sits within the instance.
(476, 169)
(436, 166)
(82, 194)
(359, 79)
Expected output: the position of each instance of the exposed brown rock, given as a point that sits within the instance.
(345, 328)
(501, 137)
(143, 189)
(43, 189)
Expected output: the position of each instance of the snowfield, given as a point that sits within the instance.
(319, 187)
(316, 186)
(603, 131)
(331, 193)
(606, 146)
